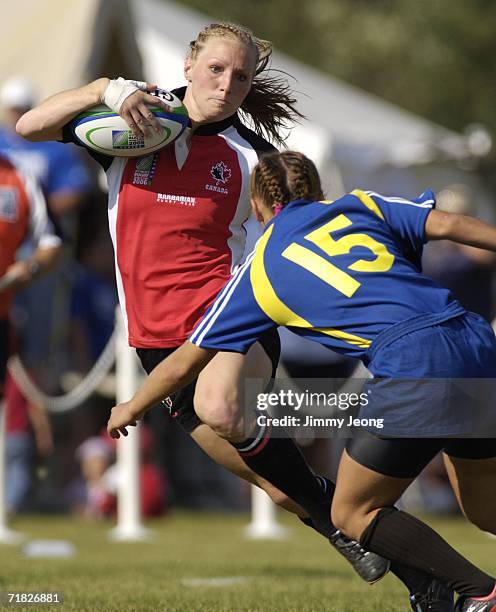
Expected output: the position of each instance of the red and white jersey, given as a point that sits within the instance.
(23, 214)
(177, 220)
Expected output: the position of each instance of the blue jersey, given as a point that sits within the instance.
(339, 273)
(57, 167)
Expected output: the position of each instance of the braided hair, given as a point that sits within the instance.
(270, 103)
(279, 178)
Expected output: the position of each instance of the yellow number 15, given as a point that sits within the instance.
(328, 272)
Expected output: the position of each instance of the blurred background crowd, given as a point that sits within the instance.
(396, 97)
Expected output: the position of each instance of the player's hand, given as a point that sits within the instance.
(121, 417)
(18, 275)
(136, 113)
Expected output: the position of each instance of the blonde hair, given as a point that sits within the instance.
(279, 178)
(270, 103)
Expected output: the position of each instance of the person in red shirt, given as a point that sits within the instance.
(177, 221)
(23, 214)
(93, 494)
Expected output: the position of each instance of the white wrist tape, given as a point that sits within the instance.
(120, 89)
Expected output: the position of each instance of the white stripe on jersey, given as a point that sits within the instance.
(398, 200)
(220, 303)
(247, 159)
(114, 178)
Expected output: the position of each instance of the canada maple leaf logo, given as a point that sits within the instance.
(220, 173)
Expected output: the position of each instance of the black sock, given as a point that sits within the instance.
(279, 461)
(328, 487)
(403, 539)
(308, 521)
(414, 580)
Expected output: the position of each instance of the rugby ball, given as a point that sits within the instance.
(102, 130)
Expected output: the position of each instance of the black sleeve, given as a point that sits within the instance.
(259, 144)
(68, 136)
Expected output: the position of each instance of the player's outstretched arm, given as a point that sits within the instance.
(171, 374)
(460, 228)
(126, 97)
(45, 121)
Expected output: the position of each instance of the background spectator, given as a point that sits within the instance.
(89, 495)
(65, 182)
(466, 271)
(23, 214)
(93, 301)
(60, 170)
(93, 494)
(28, 434)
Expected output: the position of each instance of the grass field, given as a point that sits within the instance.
(300, 574)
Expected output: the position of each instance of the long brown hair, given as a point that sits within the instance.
(270, 103)
(279, 178)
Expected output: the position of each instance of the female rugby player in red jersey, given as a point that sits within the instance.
(176, 220)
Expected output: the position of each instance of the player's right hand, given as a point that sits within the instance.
(121, 417)
(136, 112)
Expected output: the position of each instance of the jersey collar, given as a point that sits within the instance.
(285, 210)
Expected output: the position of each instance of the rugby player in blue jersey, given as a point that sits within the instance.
(347, 274)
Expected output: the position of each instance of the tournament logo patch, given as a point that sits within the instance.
(9, 204)
(145, 169)
(221, 173)
(125, 139)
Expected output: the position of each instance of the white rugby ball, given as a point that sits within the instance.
(102, 130)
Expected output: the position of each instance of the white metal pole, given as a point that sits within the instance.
(129, 525)
(7, 536)
(264, 524)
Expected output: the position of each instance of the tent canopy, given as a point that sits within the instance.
(59, 44)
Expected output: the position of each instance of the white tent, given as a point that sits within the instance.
(60, 44)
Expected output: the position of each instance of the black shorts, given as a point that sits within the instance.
(180, 404)
(407, 457)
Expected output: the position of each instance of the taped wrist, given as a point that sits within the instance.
(118, 90)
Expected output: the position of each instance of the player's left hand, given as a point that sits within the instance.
(121, 417)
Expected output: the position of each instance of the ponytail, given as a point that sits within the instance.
(270, 104)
